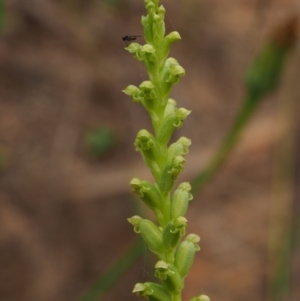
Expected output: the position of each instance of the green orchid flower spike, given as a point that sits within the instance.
(165, 236)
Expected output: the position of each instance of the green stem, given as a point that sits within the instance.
(2, 13)
(177, 297)
(108, 280)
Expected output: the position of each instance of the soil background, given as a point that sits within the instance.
(63, 210)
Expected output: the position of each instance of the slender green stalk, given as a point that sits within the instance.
(2, 13)
(262, 77)
(226, 147)
(115, 272)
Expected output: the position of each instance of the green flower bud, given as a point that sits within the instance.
(176, 71)
(170, 62)
(167, 42)
(169, 276)
(193, 238)
(172, 37)
(155, 2)
(181, 114)
(179, 148)
(170, 107)
(166, 129)
(161, 12)
(150, 234)
(159, 26)
(148, 94)
(162, 270)
(150, 7)
(147, 29)
(173, 232)
(170, 173)
(172, 71)
(180, 200)
(148, 89)
(148, 53)
(147, 192)
(148, 49)
(146, 144)
(134, 92)
(135, 222)
(201, 298)
(152, 291)
(168, 65)
(185, 255)
(176, 166)
(170, 123)
(149, 97)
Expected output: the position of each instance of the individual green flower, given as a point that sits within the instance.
(135, 222)
(181, 114)
(169, 124)
(150, 233)
(180, 200)
(152, 291)
(134, 92)
(151, 7)
(148, 95)
(167, 42)
(179, 148)
(175, 72)
(169, 276)
(147, 192)
(185, 255)
(172, 37)
(172, 71)
(176, 166)
(170, 107)
(173, 232)
(149, 53)
(136, 50)
(146, 144)
(159, 25)
(170, 173)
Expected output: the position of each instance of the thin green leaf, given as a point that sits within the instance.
(117, 270)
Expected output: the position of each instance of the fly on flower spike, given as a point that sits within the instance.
(127, 39)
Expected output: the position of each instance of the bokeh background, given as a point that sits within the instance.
(67, 154)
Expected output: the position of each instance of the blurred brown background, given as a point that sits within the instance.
(64, 199)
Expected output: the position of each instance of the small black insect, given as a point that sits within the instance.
(128, 39)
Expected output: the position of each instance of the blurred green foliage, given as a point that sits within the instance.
(100, 141)
(262, 78)
(2, 13)
(116, 271)
(3, 159)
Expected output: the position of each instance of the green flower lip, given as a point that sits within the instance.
(139, 287)
(148, 48)
(161, 265)
(173, 36)
(146, 85)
